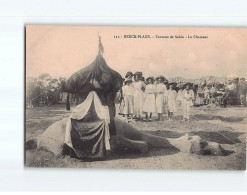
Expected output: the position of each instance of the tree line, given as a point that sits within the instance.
(45, 90)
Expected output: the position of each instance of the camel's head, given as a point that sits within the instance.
(196, 145)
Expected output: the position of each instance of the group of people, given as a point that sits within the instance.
(233, 92)
(153, 95)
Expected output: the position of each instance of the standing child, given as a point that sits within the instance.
(166, 97)
(139, 86)
(188, 96)
(206, 93)
(172, 98)
(149, 103)
(160, 90)
(180, 95)
(128, 98)
(212, 92)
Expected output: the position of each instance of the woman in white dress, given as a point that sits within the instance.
(149, 103)
(172, 98)
(188, 96)
(128, 99)
(180, 95)
(160, 90)
(138, 95)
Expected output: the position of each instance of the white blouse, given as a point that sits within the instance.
(160, 88)
(128, 90)
(139, 85)
(150, 89)
(188, 95)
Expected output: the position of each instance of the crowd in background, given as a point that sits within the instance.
(154, 95)
(233, 92)
(146, 96)
(158, 95)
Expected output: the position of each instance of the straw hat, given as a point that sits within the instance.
(152, 78)
(129, 74)
(161, 77)
(188, 83)
(138, 73)
(173, 84)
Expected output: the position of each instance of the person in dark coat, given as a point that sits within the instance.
(242, 89)
(195, 89)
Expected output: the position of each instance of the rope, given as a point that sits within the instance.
(38, 95)
(219, 133)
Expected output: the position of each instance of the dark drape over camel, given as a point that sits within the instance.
(97, 76)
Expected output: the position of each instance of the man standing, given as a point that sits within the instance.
(230, 85)
(242, 91)
(206, 93)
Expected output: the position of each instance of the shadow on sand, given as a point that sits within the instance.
(221, 137)
(124, 153)
(225, 119)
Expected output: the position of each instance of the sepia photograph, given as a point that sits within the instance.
(135, 97)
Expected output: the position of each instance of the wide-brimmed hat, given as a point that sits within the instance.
(173, 84)
(138, 73)
(161, 77)
(188, 83)
(181, 86)
(129, 74)
(152, 78)
(165, 82)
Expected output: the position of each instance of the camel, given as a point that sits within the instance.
(129, 137)
(58, 134)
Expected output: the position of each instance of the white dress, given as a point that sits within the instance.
(188, 96)
(172, 98)
(187, 102)
(149, 103)
(138, 97)
(128, 96)
(180, 97)
(160, 90)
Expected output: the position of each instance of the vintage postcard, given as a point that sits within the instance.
(118, 97)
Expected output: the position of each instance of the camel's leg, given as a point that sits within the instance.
(140, 146)
(155, 141)
(128, 131)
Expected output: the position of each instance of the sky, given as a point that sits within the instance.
(63, 50)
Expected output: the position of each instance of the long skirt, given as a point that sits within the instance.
(172, 105)
(160, 106)
(128, 107)
(243, 99)
(149, 104)
(186, 109)
(138, 102)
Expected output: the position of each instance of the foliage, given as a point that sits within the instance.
(44, 90)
